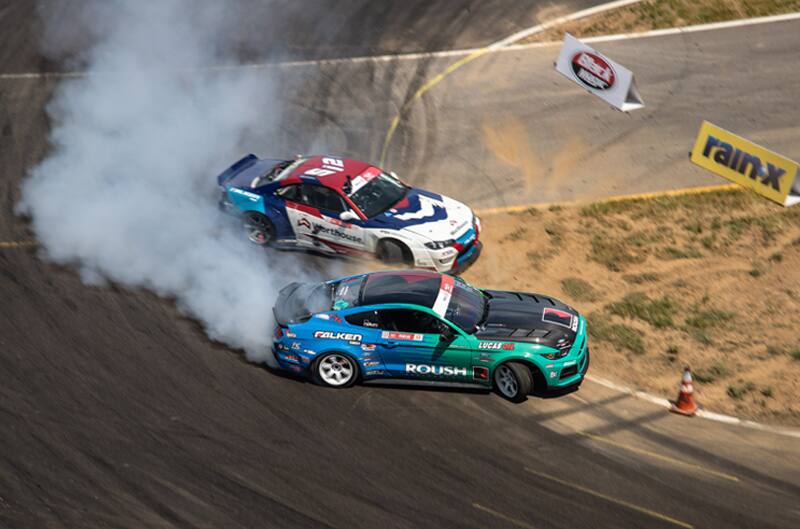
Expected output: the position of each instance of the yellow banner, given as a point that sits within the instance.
(742, 161)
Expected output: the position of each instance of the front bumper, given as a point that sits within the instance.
(569, 373)
(465, 260)
(460, 256)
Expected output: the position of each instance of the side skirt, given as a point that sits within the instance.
(428, 383)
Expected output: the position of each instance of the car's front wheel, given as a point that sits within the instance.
(513, 381)
(393, 252)
(335, 370)
(259, 228)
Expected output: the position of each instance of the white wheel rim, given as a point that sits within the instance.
(336, 370)
(506, 381)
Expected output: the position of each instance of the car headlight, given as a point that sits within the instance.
(554, 356)
(438, 245)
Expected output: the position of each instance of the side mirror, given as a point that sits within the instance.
(348, 215)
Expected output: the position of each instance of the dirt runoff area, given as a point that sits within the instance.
(659, 14)
(708, 280)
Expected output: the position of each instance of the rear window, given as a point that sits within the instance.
(347, 292)
(420, 288)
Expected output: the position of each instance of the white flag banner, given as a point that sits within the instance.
(598, 74)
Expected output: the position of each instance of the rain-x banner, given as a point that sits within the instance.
(767, 173)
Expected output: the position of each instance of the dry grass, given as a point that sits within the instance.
(657, 298)
(659, 14)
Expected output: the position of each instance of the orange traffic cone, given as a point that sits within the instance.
(685, 404)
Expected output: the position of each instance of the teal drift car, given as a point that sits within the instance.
(427, 328)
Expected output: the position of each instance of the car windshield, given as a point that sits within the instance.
(467, 307)
(379, 194)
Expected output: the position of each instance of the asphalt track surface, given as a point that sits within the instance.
(118, 412)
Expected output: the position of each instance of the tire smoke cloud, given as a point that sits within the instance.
(127, 192)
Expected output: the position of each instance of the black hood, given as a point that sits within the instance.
(531, 318)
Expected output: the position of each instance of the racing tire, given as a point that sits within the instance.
(513, 381)
(392, 252)
(335, 370)
(259, 228)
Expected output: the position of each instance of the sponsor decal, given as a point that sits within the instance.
(375, 372)
(369, 323)
(304, 223)
(412, 337)
(559, 317)
(424, 369)
(371, 364)
(319, 229)
(553, 374)
(445, 293)
(309, 352)
(251, 196)
(496, 346)
(290, 334)
(368, 347)
(295, 345)
(363, 179)
(346, 336)
(745, 163)
(291, 358)
(593, 71)
(480, 373)
(324, 316)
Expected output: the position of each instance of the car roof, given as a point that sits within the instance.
(412, 287)
(337, 172)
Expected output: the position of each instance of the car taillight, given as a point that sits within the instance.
(278, 332)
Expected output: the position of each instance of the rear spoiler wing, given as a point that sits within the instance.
(231, 171)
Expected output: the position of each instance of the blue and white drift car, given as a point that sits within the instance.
(341, 206)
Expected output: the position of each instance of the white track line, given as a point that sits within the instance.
(664, 403)
(511, 39)
(498, 46)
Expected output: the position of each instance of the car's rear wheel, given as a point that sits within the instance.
(513, 381)
(393, 252)
(259, 228)
(335, 370)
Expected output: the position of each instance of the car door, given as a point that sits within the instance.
(413, 345)
(372, 364)
(315, 219)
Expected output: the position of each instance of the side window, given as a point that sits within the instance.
(403, 320)
(323, 198)
(290, 192)
(364, 319)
